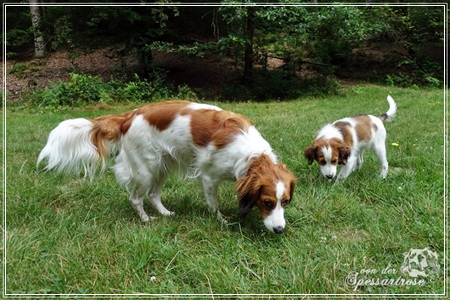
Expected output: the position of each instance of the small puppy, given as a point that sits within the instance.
(345, 141)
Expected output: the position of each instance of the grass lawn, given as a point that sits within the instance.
(69, 236)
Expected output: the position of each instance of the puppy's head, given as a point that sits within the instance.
(268, 186)
(328, 153)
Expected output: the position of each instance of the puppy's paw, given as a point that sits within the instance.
(168, 213)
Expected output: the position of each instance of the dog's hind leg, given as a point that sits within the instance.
(124, 175)
(154, 194)
(153, 190)
(380, 152)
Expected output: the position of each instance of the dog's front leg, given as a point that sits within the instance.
(137, 201)
(347, 169)
(210, 188)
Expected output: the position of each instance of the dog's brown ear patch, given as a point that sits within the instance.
(310, 154)
(248, 190)
(262, 172)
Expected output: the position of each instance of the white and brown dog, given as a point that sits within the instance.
(199, 140)
(344, 142)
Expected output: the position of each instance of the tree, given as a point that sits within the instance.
(36, 17)
(297, 33)
(321, 39)
(248, 53)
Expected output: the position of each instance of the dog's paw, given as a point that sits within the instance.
(168, 213)
(223, 219)
(145, 218)
(338, 181)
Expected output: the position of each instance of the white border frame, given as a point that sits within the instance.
(357, 295)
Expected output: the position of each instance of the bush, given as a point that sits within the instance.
(269, 85)
(18, 69)
(82, 89)
(86, 89)
(141, 90)
(410, 72)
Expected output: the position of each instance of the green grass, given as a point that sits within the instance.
(69, 236)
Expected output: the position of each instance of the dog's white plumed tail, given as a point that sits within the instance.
(69, 148)
(80, 145)
(391, 112)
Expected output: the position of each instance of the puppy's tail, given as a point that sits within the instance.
(81, 145)
(391, 112)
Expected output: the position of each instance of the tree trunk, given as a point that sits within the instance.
(36, 16)
(248, 55)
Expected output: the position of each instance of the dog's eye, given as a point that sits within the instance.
(334, 161)
(285, 202)
(268, 204)
(322, 162)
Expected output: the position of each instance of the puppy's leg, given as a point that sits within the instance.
(360, 160)
(210, 187)
(380, 152)
(348, 168)
(154, 195)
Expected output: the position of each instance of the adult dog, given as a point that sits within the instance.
(344, 142)
(199, 140)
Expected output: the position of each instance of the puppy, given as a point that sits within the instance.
(197, 140)
(344, 142)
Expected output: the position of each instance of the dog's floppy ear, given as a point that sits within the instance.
(248, 191)
(344, 153)
(310, 154)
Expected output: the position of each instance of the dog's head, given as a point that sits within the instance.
(329, 153)
(270, 187)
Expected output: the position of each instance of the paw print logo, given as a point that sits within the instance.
(420, 262)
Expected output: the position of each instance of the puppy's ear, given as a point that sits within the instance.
(247, 190)
(291, 188)
(344, 153)
(310, 154)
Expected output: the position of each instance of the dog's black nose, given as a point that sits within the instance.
(329, 176)
(278, 229)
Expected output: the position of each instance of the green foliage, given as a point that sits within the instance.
(19, 33)
(195, 50)
(297, 34)
(329, 34)
(18, 38)
(419, 30)
(326, 33)
(87, 89)
(63, 35)
(277, 84)
(81, 90)
(415, 71)
(142, 90)
(83, 29)
(18, 69)
(136, 90)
